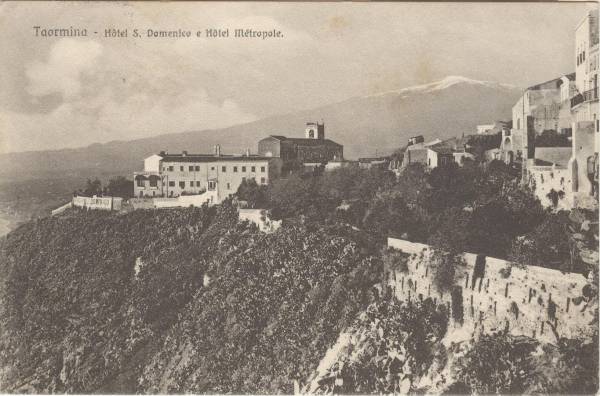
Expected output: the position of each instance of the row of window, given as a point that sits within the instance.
(153, 182)
(211, 184)
(196, 168)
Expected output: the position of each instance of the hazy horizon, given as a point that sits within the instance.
(71, 92)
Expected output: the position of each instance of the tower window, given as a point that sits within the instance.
(223, 169)
(234, 169)
(243, 169)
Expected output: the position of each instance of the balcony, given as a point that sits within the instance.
(586, 96)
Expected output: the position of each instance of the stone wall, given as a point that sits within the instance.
(531, 301)
(544, 179)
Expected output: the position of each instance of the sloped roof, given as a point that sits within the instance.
(373, 159)
(211, 158)
(442, 149)
(550, 84)
(306, 141)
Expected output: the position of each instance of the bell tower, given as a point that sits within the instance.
(315, 130)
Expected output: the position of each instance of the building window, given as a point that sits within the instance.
(253, 169)
(182, 185)
(197, 168)
(171, 168)
(234, 169)
(198, 183)
(243, 169)
(263, 180)
(212, 168)
(154, 182)
(212, 185)
(181, 168)
(223, 169)
(262, 168)
(191, 184)
(228, 186)
(191, 168)
(171, 184)
(140, 182)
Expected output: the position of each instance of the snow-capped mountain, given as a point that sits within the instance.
(446, 83)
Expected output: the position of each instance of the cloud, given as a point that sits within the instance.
(110, 94)
(61, 73)
(67, 92)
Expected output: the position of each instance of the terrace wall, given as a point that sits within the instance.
(532, 301)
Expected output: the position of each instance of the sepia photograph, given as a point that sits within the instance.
(299, 198)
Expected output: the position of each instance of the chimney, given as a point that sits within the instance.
(218, 150)
(247, 152)
(162, 153)
(184, 153)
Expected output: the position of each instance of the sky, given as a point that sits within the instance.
(62, 92)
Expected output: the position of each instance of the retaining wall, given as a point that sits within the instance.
(530, 301)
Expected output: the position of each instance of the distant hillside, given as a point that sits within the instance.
(363, 125)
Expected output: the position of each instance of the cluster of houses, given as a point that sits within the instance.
(563, 176)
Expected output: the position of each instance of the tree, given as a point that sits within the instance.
(548, 245)
(554, 196)
(497, 363)
(92, 187)
(120, 187)
(551, 138)
(389, 215)
(255, 195)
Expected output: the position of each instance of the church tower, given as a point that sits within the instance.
(315, 130)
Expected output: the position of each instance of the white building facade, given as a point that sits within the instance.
(174, 175)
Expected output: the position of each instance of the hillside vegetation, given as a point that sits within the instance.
(191, 300)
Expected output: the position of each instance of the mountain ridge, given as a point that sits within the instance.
(381, 123)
